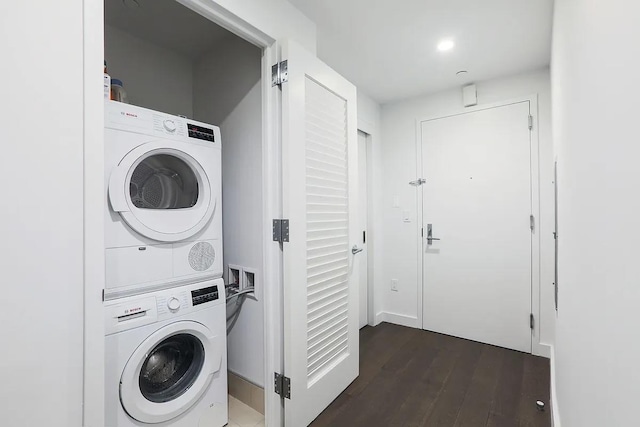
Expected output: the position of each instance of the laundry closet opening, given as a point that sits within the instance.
(168, 58)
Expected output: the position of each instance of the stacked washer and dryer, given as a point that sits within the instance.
(165, 313)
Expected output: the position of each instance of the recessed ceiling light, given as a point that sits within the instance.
(446, 45)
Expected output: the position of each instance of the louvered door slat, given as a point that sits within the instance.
(326, 163)
(319, 317)
(321, 148)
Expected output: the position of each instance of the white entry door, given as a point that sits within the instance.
(362, 215)
(320, 172)
(476, 206)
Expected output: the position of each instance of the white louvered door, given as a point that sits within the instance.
(319, 143)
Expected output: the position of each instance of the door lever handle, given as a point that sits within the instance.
(430, 237)
(356, 250)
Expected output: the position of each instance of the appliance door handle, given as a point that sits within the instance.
(116, 190)
(356, 250)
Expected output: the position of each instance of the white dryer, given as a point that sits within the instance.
(166, 358)
(164, 218)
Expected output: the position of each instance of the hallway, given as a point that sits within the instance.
(411, 377)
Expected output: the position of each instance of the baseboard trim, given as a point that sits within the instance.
(246, 392)
(542, 350)
(378, 318)
(537, 349)
(555, 412)
(397, 319)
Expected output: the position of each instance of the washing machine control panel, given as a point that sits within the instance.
(171, 303)
(135, 311)
(201, 296)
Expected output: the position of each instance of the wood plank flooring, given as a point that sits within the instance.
(409, 377)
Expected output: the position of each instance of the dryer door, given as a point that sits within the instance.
(162, 191)
(169, 371)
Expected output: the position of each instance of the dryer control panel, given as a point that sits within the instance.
(166, 125)
(201, 132)
(131, 118)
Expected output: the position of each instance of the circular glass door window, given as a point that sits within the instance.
(163, 181)
(171, 368)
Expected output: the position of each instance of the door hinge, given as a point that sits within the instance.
(532, 222)
(279, 73)
(282, 385)
(364, 237)
(281, 230)
(531, 321)
(103, 295)
(530, 122)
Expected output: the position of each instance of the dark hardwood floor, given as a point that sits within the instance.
(410, 377)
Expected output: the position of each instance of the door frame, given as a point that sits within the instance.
(373, 133)
(537, 348)
(94, 204)
(370, 238)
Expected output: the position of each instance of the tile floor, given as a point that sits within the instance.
(241, 415)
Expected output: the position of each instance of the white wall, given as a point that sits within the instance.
(41, 267)
(277, 18)
(596, 56)
(223, 77)
(401, 253)
(154, 77)
(242, 192)
(228, 91)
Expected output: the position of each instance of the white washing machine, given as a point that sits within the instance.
(163, 225)
(166, 358)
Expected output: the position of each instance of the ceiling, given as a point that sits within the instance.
(165, 23)
(388, 48)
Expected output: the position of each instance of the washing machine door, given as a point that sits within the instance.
(168, 373)
(162, 192)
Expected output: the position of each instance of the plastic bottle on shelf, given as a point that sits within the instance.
(117, 91)
(107, 82)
